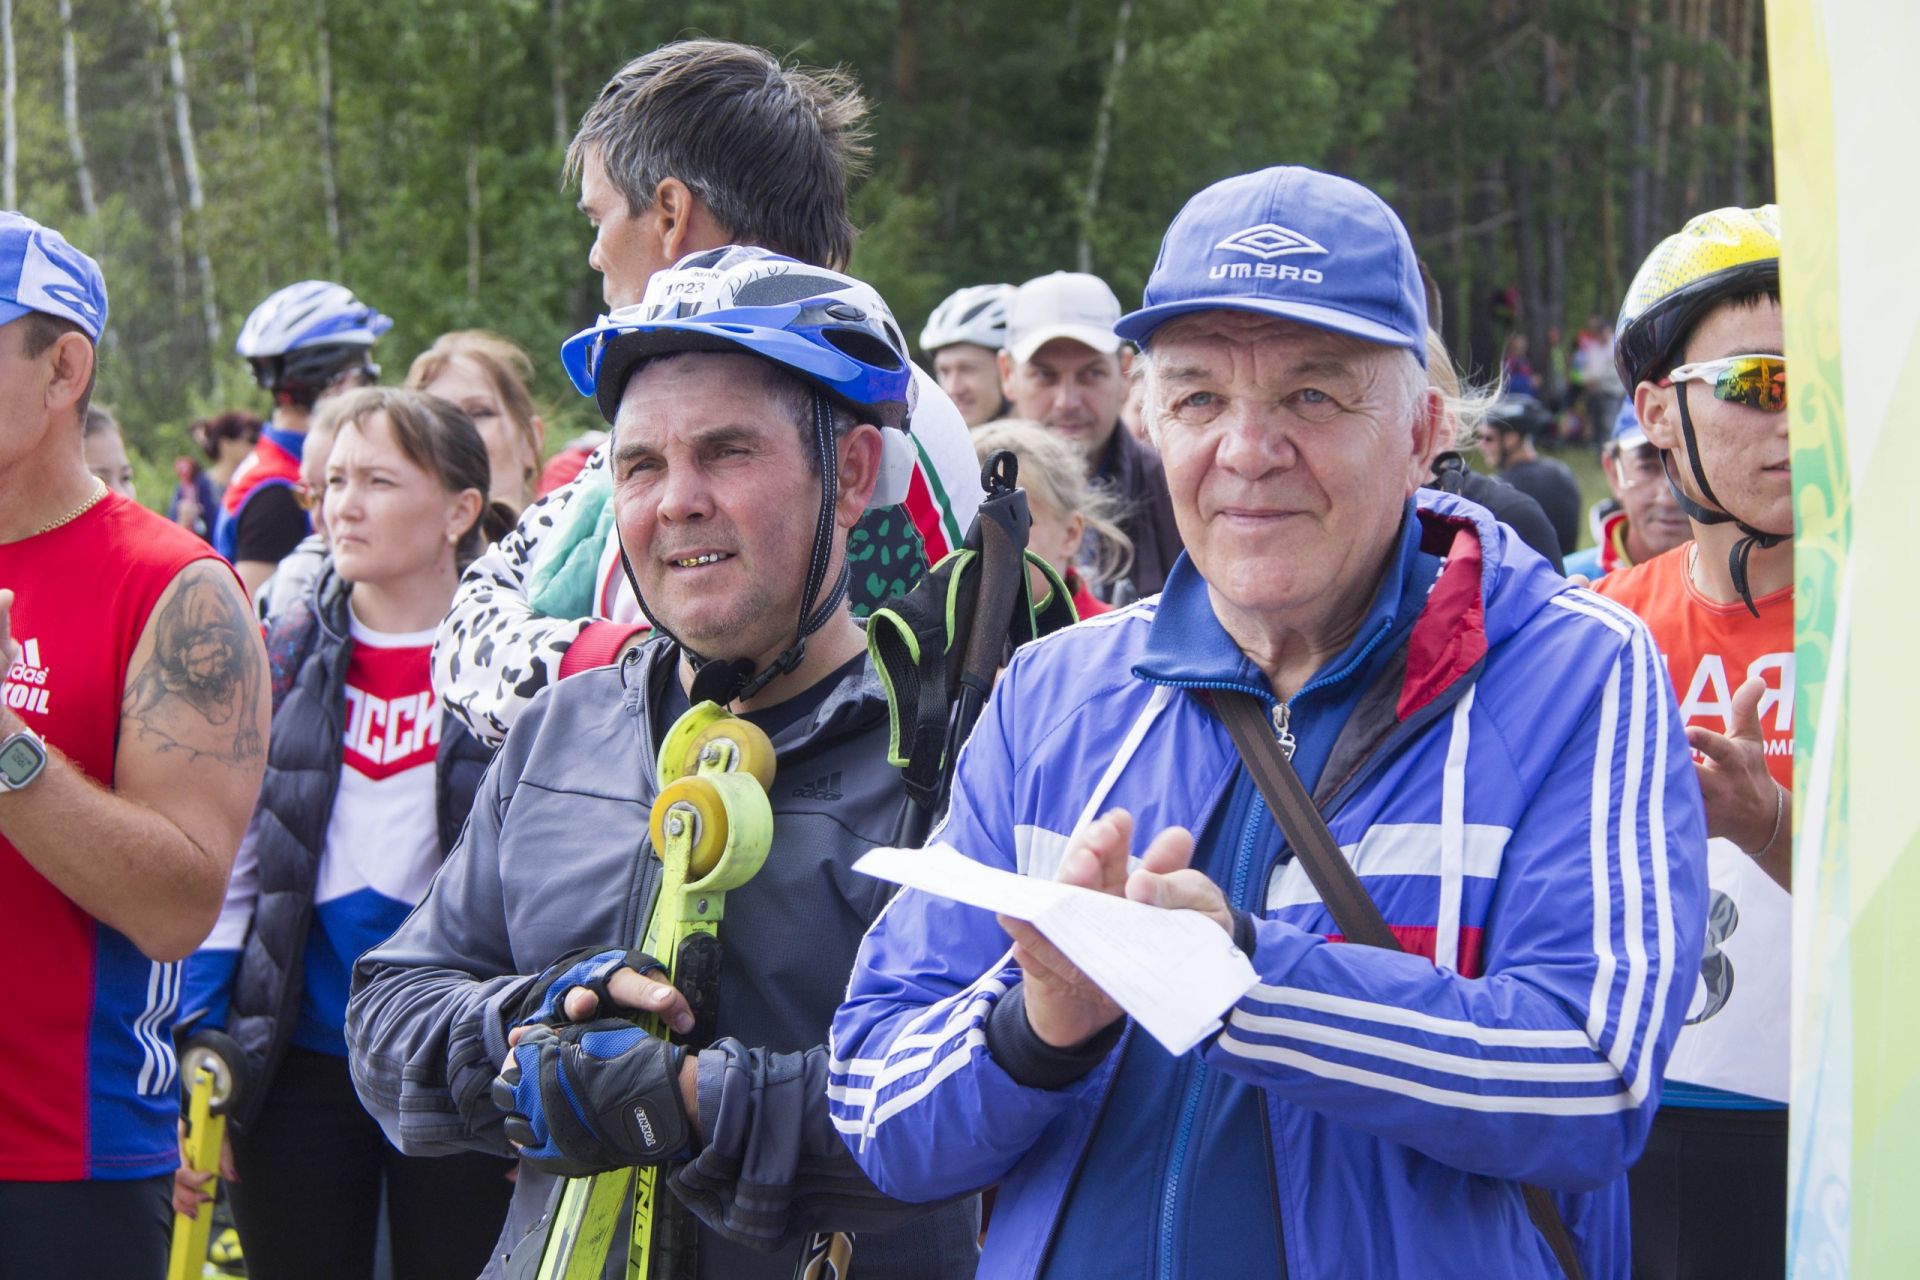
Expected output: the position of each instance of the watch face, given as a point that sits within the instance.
(20, 760)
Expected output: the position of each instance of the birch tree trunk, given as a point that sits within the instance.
(10, 147)
(190, 169)
(1103, 134)
(169, 186)
(70, 103)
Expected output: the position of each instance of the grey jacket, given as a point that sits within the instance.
(556, 857)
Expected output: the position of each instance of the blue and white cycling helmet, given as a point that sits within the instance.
(306, 334)
(829, 330)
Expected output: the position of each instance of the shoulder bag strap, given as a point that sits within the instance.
(1348, 901)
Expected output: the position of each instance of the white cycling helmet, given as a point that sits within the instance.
(976, 314)
(312, 313)
(308, 334)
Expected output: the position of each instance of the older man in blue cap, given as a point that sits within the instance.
(1494, 751)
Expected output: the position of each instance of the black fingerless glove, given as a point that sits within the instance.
(543, 1000)
(591, 1096)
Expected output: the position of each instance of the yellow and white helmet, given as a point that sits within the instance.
(1717, 255)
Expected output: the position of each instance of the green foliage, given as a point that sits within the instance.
(986, 114)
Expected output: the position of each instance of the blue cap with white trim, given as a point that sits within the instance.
(40, 271)
(1296, 244)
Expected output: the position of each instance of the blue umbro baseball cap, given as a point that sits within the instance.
(1294, 243)
(40, 271)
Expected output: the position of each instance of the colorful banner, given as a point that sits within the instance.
(1845, 103)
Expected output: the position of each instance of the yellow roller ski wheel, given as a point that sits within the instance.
(711, 739)
(697, 802)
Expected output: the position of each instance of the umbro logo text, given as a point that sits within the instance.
(1263, 271)
(1266, 241)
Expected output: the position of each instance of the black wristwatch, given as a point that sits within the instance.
(22, 757)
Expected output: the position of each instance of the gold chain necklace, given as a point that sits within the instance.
(99, 492)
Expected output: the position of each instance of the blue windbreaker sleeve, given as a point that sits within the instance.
(207, 989)
(1547, 1068)
(912, 1088)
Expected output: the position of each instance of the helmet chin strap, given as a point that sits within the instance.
(727, 680)
(1717, 514)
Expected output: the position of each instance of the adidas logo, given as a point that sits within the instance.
(27, 680)
(1270, 240)
(823, 788)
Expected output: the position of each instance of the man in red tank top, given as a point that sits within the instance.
(133, 726)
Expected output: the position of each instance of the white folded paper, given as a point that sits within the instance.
(1174, 972)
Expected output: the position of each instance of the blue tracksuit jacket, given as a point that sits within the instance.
(1500, 756)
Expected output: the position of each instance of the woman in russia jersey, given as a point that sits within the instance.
(367, 786)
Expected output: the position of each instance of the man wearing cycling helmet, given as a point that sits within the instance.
(1700, 346)
(304, 343)
(1513, 423)
(755, 401)
(963, 338)
(696, 145)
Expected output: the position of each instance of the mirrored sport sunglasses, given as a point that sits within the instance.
(1759, 382)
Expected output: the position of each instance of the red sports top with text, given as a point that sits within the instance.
(88, 1082)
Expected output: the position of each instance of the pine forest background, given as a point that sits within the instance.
(208, 152)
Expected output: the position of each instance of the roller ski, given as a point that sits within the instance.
(213, 1087)
(711, 827)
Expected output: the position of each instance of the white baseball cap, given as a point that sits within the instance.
(1066, 304)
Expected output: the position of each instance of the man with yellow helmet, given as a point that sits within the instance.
(1700, 351)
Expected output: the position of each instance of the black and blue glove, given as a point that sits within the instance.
(545, 999)
(591, 1096)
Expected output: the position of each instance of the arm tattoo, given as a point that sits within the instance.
(200, 689)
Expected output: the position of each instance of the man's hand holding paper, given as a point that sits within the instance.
(1084, 964)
